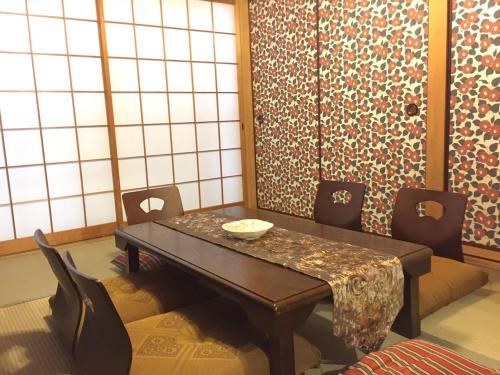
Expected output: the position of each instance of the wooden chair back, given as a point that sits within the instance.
(172, 204)
(103, 346)
(443, 235)
(343, 215)
(66, 304)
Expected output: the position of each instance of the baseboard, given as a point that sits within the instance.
(482, 257)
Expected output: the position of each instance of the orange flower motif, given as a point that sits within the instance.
(462, 54)
(483, 188)
(466, 132)
(349, 4)
(415, 14)
(379, 76)
(481, 172)
(379, 129)
(486, 220)
(470, 39)
(414, 129)
(412, 99)
(412, 183)
(491, 62)
(472, 17)
(464, 24)
(492, 95)
(379, 22)
(454, 38)
(414, 43)
(469, 4)
(467, 68)
(467, 146)
(490, 27)
(485, 43)
(487, 158)
(466, 165)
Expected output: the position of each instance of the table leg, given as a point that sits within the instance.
(279, 328)
(133, 258)
(281, 354)
(407, 322)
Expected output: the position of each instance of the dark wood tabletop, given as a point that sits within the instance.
(268, 292)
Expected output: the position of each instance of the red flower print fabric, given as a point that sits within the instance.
(284, 75)
(373, 64)
(474, 117)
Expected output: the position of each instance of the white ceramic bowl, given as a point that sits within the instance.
(247, 229)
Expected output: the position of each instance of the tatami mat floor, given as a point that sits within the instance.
(470, 326)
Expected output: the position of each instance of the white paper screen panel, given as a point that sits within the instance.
(173, 68)
(55, 167)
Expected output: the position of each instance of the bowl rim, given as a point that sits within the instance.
(268, 225)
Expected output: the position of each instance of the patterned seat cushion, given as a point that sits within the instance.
(146, 293)
(448, 281)
(209, 338)
(147, 261)
(417, 357)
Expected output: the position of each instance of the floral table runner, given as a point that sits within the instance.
(367, 285)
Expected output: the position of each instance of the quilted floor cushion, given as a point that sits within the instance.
(417, 357)
(448, 281)
(146, 293)
(147, 261)
(210, 338)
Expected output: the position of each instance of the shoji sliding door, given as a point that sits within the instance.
(156, 78)
(174, 88)
(55, 169)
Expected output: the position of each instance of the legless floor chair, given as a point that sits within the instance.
(149, 205)
(336, 213)
(450, 278)
(135, 296)
(213, 337)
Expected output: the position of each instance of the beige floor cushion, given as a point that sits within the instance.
(145, 293)
(201, 339)
(448, 281)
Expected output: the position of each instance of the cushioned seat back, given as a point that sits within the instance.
(345, 215)
(443, 235)
(66, 303)
(103, 346)
(172, 204)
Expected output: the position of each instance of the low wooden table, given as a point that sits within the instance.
(276, 299)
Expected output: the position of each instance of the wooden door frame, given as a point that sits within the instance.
(438, 95)
(246, 103)
(438, 116)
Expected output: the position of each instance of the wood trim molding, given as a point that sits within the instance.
(481, 262)
(25, 244)
(246, 103)
(482, 253)
(21, 245)
(109, 112)
(437, 97)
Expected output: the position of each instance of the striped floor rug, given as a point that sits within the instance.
(27, 344)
